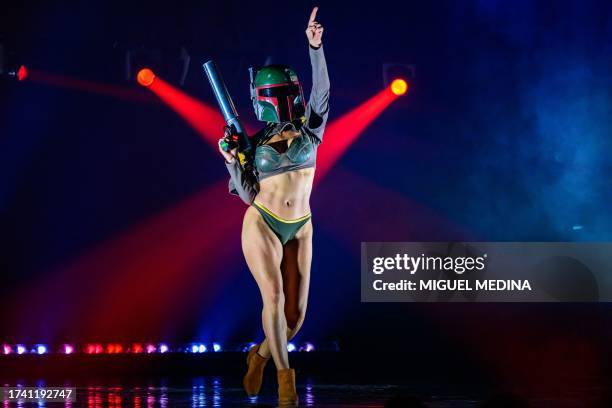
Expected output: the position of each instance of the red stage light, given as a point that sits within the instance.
(399, 86)
(22, 73)
(94, 348)
(114, 348)
(145, 77)
(137, 348)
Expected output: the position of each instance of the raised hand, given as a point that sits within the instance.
(314, 31)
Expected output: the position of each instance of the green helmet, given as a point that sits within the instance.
(276, 94)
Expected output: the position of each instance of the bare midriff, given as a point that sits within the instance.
(287, 194)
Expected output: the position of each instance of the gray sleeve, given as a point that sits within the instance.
(242, 184)
(317, 109)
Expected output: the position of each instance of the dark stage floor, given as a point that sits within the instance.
(217, 392)
(324, 380)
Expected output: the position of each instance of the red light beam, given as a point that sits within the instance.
(83, 85)
(205, 120)
(342, 132)
(142, 281)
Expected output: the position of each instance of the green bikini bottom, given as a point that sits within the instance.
(283, 228)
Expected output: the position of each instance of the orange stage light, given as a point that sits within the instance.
(145, 77)
(399, 87)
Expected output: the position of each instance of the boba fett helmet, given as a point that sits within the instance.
(276, 94)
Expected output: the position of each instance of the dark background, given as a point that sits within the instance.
(505, 135)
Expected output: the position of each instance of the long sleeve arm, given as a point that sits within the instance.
(242, 183)
(317, 109)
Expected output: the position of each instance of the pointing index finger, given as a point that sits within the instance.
(313, 15)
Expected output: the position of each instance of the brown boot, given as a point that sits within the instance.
(287, 396)
(254, 376)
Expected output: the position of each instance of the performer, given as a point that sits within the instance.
(277, 227)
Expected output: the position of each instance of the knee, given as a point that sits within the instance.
(273, 295)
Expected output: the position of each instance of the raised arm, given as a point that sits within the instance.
(317, 109)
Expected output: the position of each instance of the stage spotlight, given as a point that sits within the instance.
(114, 348)
(216, 347)
(145, 77)
(9, 64)
(307, 347)
(397, 76)
(150, 348)
(40, 349)
(21, 349)
(399, 86)
(198, 348)
(171, 63)
(291, 347)
(68, 348)
(163, 348)
(7, 349)
(22, 73)
(137, 348)
(94, 348)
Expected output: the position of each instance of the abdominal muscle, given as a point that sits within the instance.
(287, 194)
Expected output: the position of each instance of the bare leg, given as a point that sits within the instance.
(263, 253)
(295, 270)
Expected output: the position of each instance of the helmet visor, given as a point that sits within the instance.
(286, 98)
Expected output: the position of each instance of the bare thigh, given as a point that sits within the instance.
(295, 271)
(263, 253)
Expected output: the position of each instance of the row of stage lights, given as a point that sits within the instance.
(135, 348)
(146, 77)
